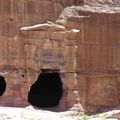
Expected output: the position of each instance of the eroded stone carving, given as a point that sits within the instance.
(84, 45)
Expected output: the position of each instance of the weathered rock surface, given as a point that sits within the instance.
(46, 26)
(85, 48)
(103, 2)
(97, 53)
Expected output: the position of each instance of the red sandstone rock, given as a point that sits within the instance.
(85, 49)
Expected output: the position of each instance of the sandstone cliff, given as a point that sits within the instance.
(98, 51)
(86, 49)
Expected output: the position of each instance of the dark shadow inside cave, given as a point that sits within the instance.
(2, 85)
(47, 90)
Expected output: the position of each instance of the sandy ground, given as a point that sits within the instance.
(29, 113)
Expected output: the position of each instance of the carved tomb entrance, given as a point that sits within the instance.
(2, 85)
(47, 90)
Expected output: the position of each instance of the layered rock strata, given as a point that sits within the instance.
(85, 49)
(97, 54)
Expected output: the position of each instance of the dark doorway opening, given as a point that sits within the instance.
(2, 85)
(47, 90)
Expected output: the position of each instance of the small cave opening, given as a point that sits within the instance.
(23, 75)
(47, 90)
(2, 85)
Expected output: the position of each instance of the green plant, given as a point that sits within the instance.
(97, 116)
